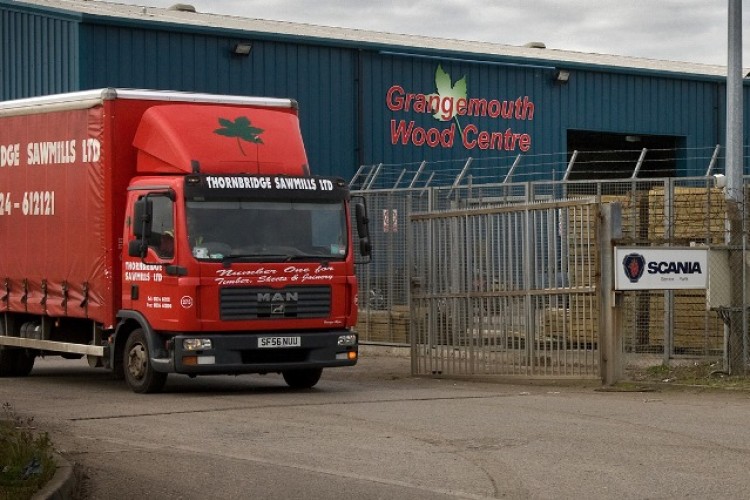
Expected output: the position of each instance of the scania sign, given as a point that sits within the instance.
(634, 264)
(646, 268)
(686, 267)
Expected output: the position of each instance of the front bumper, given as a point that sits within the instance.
(241, 353)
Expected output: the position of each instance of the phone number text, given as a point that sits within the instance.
(29, 203)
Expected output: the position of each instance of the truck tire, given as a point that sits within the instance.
(25, 362)
(7, 362)
(139, 374)
(302, 379)
(15, 362)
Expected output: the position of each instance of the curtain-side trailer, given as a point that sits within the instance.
(162, 232)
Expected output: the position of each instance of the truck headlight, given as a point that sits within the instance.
(346, 340)
(196, 344)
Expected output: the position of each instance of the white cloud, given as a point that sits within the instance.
(680, 30)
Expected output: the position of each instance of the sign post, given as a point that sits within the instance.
(610, 303)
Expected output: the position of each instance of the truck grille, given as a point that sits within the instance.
(242, 303)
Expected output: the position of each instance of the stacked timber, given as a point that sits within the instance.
(386, 325)
(695, 329)
(697, 217)
(579, 322)
(576, 325)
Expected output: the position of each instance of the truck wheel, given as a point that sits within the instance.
(7, 362)
(302, 379)
(15, 362)
(139, 374)
(24, 362)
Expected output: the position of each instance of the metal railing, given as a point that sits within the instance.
(497, 290)
(656, 212)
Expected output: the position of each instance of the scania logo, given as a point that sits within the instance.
(278, 297)
(634, 264)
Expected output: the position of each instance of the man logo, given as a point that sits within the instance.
(634, 264)
(278, 309)
(278, 297)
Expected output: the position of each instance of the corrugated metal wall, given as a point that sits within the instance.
(647, 105)
(643, 104)
(38, 53)
(346, 120)
(321, 79)
(488, 81)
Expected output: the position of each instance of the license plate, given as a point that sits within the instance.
(279, 342)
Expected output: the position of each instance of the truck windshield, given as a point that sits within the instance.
(267, 230)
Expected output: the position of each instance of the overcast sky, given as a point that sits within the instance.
(677, 30)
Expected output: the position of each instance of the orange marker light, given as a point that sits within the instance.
(190, 360)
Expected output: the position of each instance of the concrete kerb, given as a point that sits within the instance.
(62, 484)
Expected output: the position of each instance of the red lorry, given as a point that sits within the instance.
(165, 232)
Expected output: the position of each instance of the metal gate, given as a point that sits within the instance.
(505, 290)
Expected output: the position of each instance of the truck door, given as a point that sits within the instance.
(162, 228)
(148, 288)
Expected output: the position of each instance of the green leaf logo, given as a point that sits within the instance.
(447, 90)
(242, 129)
(449, 93)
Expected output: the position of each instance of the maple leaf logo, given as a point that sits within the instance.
(447, 90)
(242, 129)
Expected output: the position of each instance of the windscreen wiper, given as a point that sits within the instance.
(254, 257)
(316, 258)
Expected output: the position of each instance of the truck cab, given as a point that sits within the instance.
(238, 273)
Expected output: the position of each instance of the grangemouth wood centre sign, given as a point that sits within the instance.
(639, 268)
(448, 104)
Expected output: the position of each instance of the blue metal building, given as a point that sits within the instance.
(368, 98)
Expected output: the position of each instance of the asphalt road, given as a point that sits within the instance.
(372, 431)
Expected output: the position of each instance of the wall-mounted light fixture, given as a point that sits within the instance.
(242, 49)
(562, 76)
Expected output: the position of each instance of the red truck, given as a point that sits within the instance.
(165, 232)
